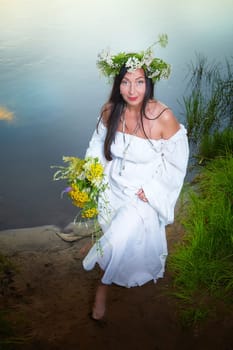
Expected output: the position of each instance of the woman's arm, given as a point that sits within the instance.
(163, 189)
(96, 144)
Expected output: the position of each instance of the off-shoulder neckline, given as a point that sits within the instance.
(179, 131)
(175, 135)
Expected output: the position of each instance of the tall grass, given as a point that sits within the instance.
(215, 145)
(204, 261)
(202, 264)
(209, 106)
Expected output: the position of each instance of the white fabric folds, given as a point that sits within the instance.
(134, 246)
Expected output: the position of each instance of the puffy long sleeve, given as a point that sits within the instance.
(96, 144)
(163, 189)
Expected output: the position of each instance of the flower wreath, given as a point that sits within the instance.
(155, 68)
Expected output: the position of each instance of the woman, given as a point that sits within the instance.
(144, 151)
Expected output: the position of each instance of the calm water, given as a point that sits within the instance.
(50, 85)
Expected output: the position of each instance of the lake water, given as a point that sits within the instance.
(50, 87)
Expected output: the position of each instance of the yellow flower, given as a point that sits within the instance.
(89, 213)
(85, 180)
(79, 198)
(75, 165)
(95, 172)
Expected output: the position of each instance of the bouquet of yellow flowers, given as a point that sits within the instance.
(85, 179)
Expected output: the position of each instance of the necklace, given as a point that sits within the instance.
(126, 146)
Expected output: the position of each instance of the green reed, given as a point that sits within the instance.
(208, 108)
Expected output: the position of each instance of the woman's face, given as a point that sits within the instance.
(133, 87)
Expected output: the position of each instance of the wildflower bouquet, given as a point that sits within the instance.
(85, 179)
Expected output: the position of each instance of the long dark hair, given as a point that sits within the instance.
(117, 105)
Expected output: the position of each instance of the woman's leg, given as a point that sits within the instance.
(99, 306)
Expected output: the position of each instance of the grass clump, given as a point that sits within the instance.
(202, 264)
(8, 338)
(6, 271)
(219, 144)
(192, 317)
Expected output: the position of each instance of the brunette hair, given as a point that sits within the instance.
(117, 104)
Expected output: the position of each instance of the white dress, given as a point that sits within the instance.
(133, 246)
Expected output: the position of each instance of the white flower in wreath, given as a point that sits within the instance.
(154, 74)
(165, 73)
(147, 58)
(132, 64)
(106, 57)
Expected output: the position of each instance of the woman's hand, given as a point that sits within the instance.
(141, 195)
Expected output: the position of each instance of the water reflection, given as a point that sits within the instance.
(6, 115)
(50, 90)
(28, 195)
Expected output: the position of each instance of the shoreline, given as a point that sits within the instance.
(42, 238)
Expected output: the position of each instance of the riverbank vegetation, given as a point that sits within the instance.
(202, 263)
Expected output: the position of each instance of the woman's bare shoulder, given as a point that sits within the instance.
(169, 124)
(164, 118)
(155, 108)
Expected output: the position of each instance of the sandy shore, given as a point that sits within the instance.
(50, 296)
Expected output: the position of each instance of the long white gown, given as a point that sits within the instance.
(134, 246)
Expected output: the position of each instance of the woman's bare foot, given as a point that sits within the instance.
(99, 307)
